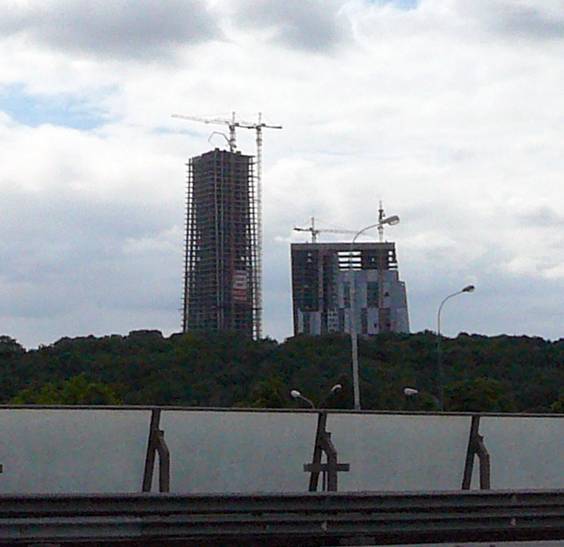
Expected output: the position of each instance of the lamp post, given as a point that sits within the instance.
(467, 289)
(295, 394)
(352, 295)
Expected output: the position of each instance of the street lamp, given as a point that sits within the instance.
(467, 289)
(411, 393)
(382, 221)
(295, 394)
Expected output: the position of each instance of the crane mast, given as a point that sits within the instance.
(258, 127)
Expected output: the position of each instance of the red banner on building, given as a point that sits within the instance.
(240, 284)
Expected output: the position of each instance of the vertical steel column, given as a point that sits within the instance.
(476, 447)
(156, 444)
(330, 470)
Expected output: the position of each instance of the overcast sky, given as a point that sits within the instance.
(450, 111)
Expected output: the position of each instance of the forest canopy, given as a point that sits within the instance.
(499, 374)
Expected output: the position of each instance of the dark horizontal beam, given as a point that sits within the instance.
(289, 519)
(138, 408)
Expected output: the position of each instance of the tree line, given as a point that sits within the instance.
(497, 374)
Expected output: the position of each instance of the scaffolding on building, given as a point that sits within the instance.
(255, 208)
(222, 258)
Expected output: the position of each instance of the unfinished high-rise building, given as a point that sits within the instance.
(322, 274)
(222, 260)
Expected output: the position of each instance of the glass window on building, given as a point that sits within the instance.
(346, 294)
(307, 323)
(372, 294)
(363, 321)
(341, 320)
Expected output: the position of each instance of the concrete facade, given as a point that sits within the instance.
(322, 274)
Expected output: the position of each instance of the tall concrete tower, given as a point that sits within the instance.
(222, 262)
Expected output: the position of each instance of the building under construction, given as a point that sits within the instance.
(222, 260)
(321, 283)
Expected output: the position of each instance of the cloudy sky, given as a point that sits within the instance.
(450, 111)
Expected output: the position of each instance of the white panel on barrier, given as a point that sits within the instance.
(222, 451)
(400, 452)
(65, 450)
(525, 452)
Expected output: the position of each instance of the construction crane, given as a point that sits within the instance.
(382, 220)
(316, 231)
(258, 127)
(232, 124)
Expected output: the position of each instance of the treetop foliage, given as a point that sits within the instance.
(499, 373)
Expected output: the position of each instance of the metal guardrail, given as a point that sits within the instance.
(310, 519)
(254, 410)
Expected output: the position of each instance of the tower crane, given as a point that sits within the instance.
(258, 127)
(232, 124)
(316, 231)
(382, 220)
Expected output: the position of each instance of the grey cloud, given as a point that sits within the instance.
(542, 216)
(503, 302)
(66, 253)
(314, 25)
(116, 28)
(532, 20)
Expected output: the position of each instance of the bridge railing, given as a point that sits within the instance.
(198, 450)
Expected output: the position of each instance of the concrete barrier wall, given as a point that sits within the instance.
(239, 451)
(103, 450)
(48, 451)
(400, 452)
(525, 452)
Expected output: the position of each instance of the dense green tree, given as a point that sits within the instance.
(500, 373)
(78, 390)
(271, 392)
(9, 347)
(558, 406)
(479, 394)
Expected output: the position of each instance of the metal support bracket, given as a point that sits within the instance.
(156, 445)
(323, 444)
(476, 447)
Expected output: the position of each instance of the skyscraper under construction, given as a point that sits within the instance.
(322, 274)
(222, 260)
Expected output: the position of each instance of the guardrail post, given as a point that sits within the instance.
(476, 447)
(156, 445)
(330, 470)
